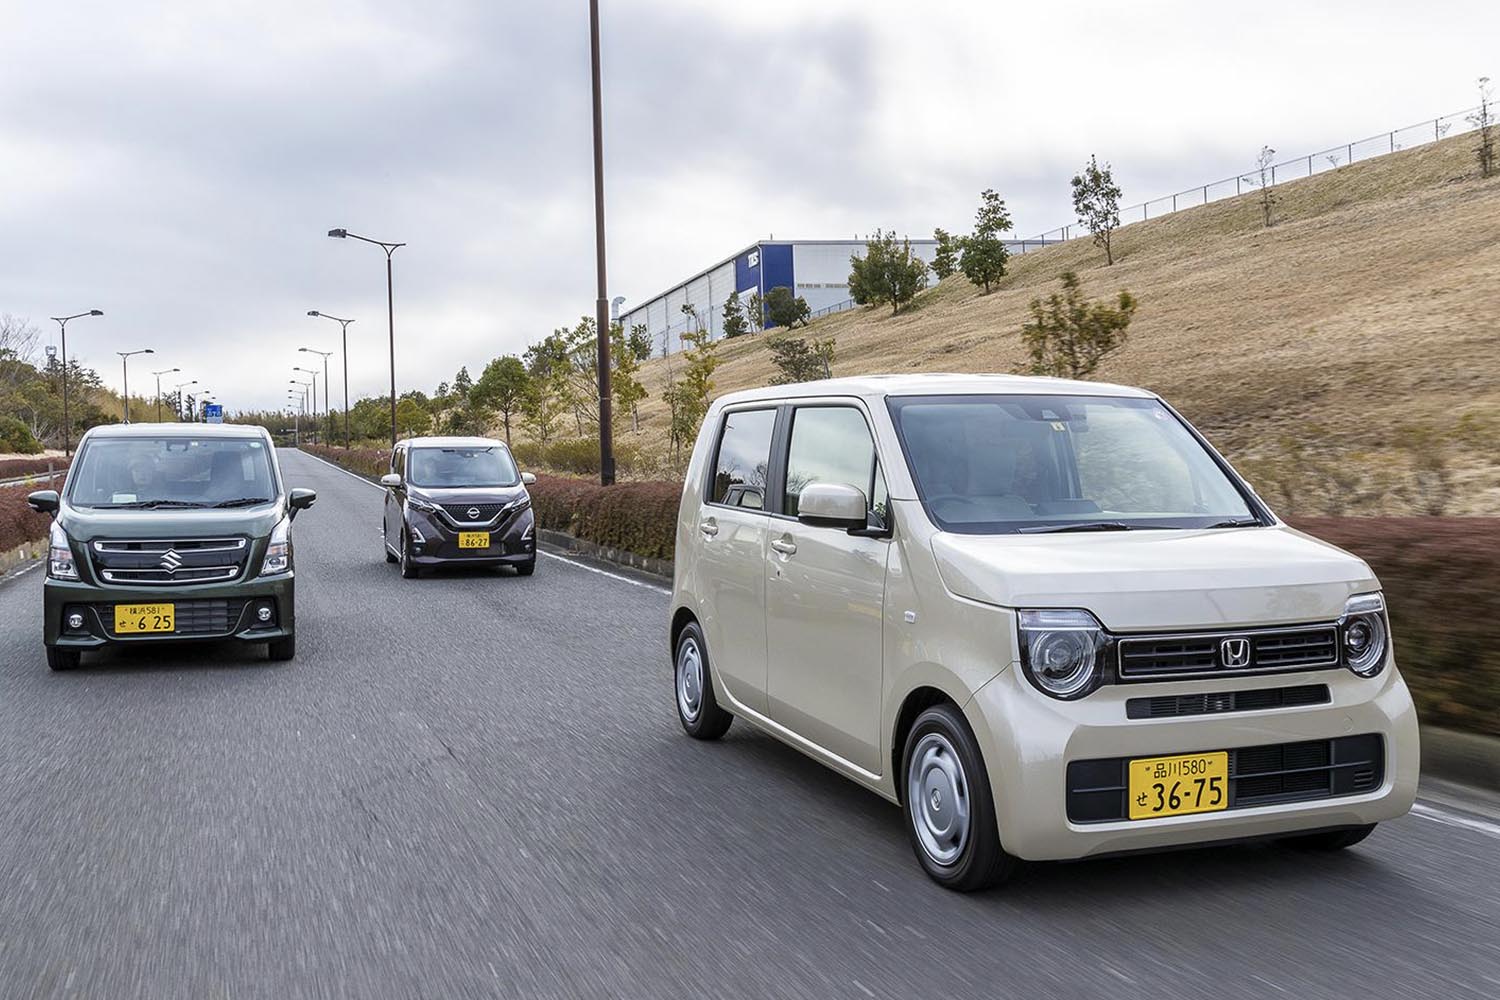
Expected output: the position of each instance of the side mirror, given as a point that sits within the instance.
(833, 505)
(44, 501)
(390, 479)
(301, 500)
(527, 479)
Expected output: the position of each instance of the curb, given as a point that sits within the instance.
(661, 568)
(1464, 758)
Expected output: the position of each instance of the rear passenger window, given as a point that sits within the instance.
(832, 444)
(742, 458)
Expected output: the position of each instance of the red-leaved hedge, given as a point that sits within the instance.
(12, 468)
(1439, 576)
(636, 517)
(19, 524)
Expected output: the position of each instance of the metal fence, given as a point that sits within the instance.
(1321, 162)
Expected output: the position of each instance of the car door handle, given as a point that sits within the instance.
(709, 527)
(784, 545)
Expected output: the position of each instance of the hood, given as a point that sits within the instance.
(1151, 579)
(469, 494)
(86, 524)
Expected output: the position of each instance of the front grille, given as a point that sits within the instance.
(1258, 776)
(168, 561)
(461, 511)
(192, 617)
(1210, 703)
(1207, 654)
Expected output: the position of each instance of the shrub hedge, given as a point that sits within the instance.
(1439, 575)
(19, 524)
(12, 468)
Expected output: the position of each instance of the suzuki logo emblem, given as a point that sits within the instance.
(171, 561)
(473, 513)
(1235, 652)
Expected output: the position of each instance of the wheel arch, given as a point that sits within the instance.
(917, 701)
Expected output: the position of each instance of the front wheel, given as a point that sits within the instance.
(408, 568)
(63, 659)
(283, 649)
(697, 708)
(526, 568)
(950, 814)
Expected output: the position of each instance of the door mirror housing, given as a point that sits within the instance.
(833, 505)
(527, 479)
(390, 479)
(44, 501)
(301, 499)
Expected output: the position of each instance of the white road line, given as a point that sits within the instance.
(549, 555)
(1454, 819)
(36, 564)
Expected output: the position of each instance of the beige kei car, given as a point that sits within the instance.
(1045, 617)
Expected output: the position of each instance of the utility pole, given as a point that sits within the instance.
(601, 312)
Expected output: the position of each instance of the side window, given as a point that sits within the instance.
(832, 444)
(398, 462)
(743, 456)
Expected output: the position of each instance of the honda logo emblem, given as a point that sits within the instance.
(171, 561)
(1235, 653)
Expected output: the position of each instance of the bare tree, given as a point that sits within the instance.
(1483, 119)
(1266, 178)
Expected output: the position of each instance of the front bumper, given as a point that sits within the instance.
(512, 541)
(212, 611)
(1029, 740)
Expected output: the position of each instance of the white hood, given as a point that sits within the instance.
(1159, 579)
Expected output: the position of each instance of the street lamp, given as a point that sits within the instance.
(62, 322)
(327, 399)
(177, 394)
(164, 371)
(125, 357)
(313, 372)
(601, 306)
(390, 309)
(298, 401)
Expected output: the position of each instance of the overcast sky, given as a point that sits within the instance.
(177, 164)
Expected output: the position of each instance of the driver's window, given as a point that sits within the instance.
(832, 444)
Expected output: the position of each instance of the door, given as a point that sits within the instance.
(392, 513)
(731, 554)
(825, 593)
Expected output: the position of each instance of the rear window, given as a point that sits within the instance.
(172, 472)
(742, 459)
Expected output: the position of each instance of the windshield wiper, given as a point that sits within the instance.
(1240, 522)
(243, 502)
(1047, 529)
(147, 504)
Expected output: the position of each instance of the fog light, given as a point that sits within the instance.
(75, 621)
(263, 613)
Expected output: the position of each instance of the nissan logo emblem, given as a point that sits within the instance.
(1235, 653)
(473, 513)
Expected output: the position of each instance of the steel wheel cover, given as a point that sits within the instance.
(690, 679)
(937, 795)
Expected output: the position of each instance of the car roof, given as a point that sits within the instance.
(936, 384)
(189, 430)
(453, 442)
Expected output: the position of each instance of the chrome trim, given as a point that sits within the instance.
(169, 576)
(1217, 637)
(166, 544)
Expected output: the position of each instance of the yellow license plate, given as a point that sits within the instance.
(137, 618)
(473, 539)
(1177, 786)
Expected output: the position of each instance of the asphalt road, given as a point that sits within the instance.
(474, 785)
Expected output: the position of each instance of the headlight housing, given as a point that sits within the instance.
(60, 565)
(279, 550)
(417, 503)
(1364, 635)
(1062, 651)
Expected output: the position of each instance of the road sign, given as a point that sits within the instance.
(213, 413)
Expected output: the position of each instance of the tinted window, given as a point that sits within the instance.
(1003, 463)
(177, 471)
(832, 444)
(441, 468)
(743, 457)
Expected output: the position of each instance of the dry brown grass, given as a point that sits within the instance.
(1331, 351)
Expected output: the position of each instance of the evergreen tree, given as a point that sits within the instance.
(984, 252)
(1096, 200)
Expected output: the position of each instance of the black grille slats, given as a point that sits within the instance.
(215, 617)
(460, 511)
(1214, 653)
(1174, 705)
(163, 561)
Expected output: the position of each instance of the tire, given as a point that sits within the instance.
(283, 649)
(693, 686)
(950, 813)
(63, 659)
(385, 543)
(526, 568)
(1329, 840)
(409, 569)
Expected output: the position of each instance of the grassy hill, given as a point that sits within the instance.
(1347, 359)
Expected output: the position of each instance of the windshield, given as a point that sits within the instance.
(1000, 463)
(172, 472)
(438, 468)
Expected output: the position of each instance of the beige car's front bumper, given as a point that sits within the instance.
(1028, 740)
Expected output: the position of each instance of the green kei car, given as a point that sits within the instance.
(167, 533)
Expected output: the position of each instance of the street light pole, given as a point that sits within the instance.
(125, 357)
(62, 322)
(177, 395)
(390, 308)
(314, 374)
(606, 408)
(327, 399)
(344, 330)
(164, 371)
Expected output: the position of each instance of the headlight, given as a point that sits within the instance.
(1364, 635)
(1062, 652)
(279, 551)
(417, 503)
(60, 555)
